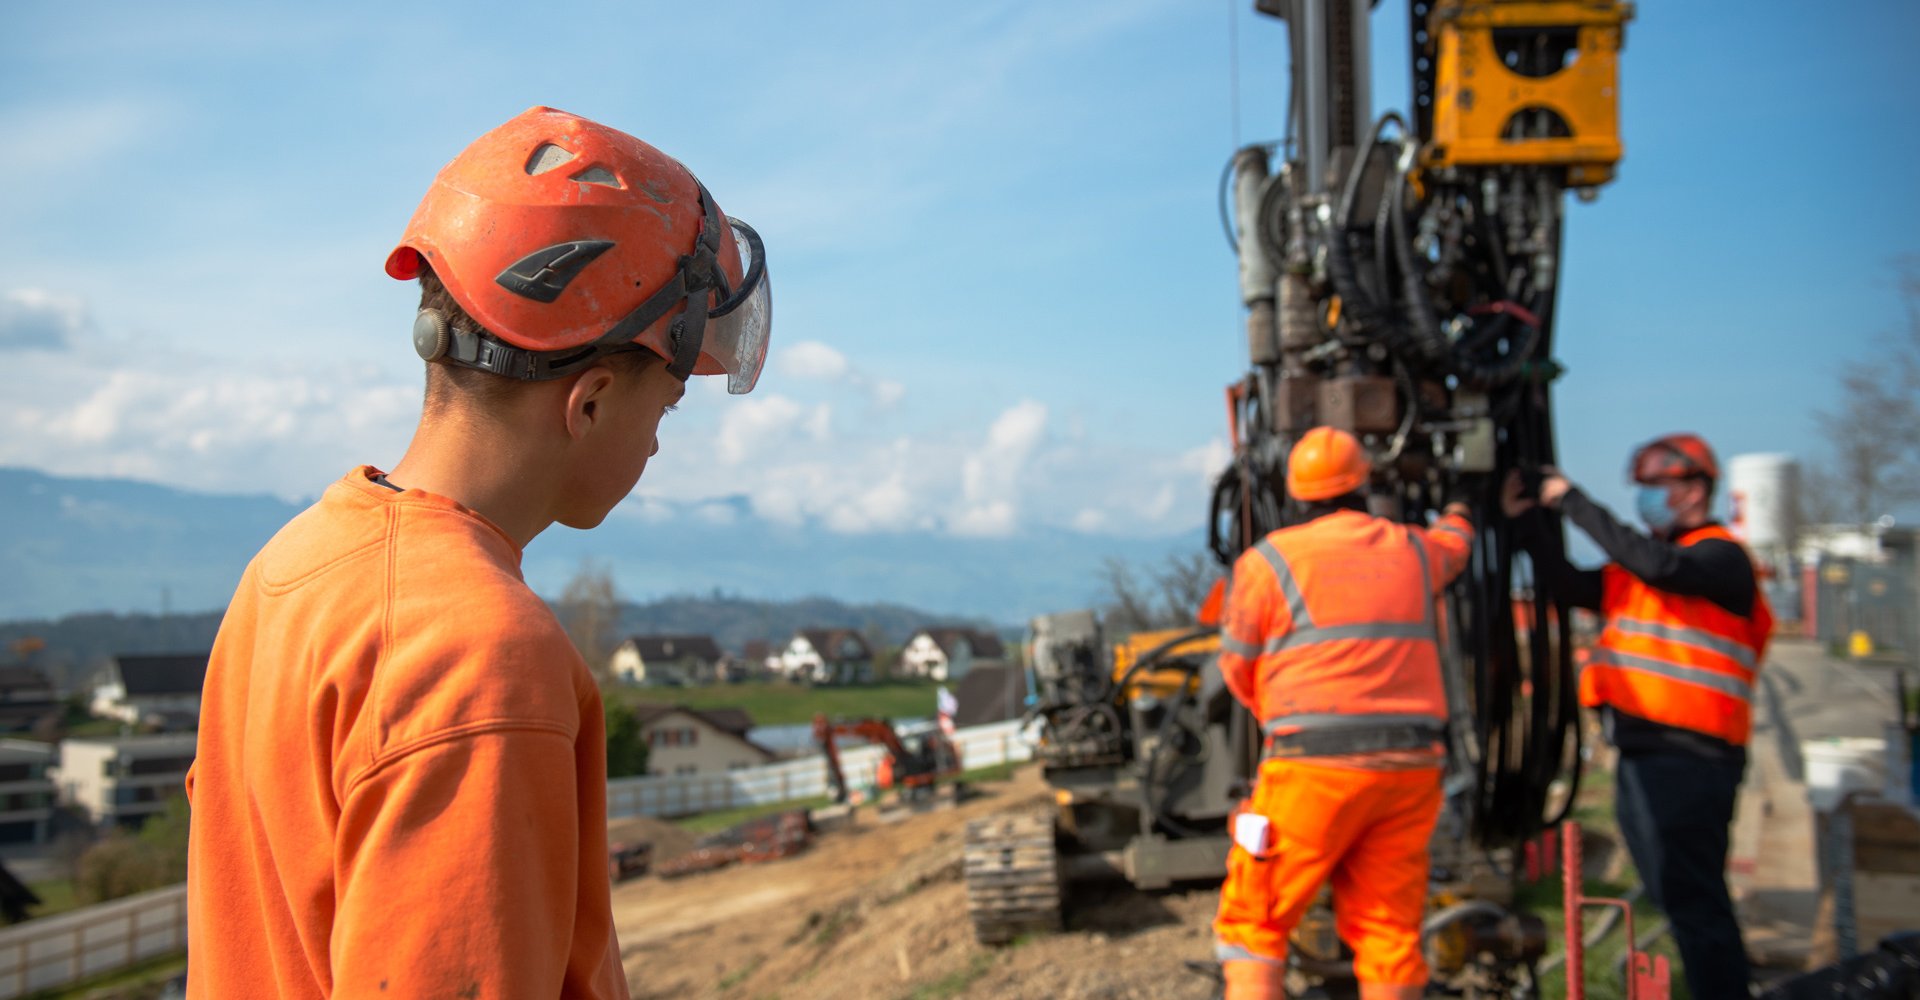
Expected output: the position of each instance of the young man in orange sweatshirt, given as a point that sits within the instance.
(400, 789)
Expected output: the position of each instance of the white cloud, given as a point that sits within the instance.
(812, 360)
(34, 319)
(991, 478)
(757, 426)
(228, 424)
(204, 424)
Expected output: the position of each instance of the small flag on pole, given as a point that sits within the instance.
(948, 705)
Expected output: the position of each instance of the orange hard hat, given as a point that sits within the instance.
(1327, 462)
(1676, 456)
(568, 240)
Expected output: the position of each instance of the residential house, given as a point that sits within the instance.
(827, 656)
(26, 698)
(946, 654)
(655, 660)
(27, 792)
(682, 740)
(758, 660)
(124, 780)
(154, 690)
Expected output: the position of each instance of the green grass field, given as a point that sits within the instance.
(777, 703)
(1594, 812)
(56, 896)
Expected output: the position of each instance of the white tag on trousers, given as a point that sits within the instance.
(1253, 833)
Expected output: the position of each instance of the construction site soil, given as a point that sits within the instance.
(877, 909)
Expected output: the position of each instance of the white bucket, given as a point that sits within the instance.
(1841, 765)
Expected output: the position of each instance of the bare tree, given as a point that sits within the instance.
(1130, 604)
(1169, 598)
(1873, 436)
(590, 610)
(1184, 581)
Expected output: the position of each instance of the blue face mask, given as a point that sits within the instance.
(1651, 501)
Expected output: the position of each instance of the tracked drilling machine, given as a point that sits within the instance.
(1399, 275)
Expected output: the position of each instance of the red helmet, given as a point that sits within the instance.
(567, 240)
(1327, 462)
(1676, 456)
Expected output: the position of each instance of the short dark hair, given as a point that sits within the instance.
(448, 383)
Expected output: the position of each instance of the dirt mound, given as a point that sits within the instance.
(668, 841)
(878, 910)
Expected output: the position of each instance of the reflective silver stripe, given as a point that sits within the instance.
(1426, 585)
(1362, 630)
(1460, 533)
(1239, 953)
(1289, 588)
(1304, 631)
(1731, 686)
(1228, 644)
(1726, 647)
(1325, 721)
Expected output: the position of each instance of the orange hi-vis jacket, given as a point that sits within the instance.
(1330, 632)
(400, 789)
(1679, 661)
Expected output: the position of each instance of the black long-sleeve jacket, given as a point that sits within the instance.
(1715, 569)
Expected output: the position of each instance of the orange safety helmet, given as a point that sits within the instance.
(1325, 463)
(568, 240)
(1676, 456)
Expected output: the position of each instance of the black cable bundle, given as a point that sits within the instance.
(1524, 695)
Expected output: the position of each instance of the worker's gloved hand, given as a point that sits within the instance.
(1517, 496)
(1553, 487)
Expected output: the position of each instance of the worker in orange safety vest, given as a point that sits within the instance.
(1685, 631)
(1330, 636)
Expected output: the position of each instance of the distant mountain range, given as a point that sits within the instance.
(74, 546)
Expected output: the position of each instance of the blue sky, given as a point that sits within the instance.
(1002, 298)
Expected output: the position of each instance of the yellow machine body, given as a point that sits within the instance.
(1164, 681)
(1477, 96)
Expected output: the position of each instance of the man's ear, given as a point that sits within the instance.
(586, 399)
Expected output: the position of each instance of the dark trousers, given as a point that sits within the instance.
(1674, 811)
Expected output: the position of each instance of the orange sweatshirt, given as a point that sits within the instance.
(401, 782)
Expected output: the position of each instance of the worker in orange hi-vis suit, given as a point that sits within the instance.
(1330, 636)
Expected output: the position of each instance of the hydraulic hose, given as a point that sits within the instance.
(1423, 321)
(1354, 299)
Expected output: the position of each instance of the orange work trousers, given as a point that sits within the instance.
(1367, 830)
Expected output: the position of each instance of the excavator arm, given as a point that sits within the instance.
(908, 768)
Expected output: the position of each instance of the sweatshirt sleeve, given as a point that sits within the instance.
(1448, 544)
(457, 869)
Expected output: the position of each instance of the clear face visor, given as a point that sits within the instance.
(738, 326)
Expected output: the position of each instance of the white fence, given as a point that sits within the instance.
(65, 949)
(685, 794)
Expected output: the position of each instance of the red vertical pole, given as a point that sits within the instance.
(1570, 896)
